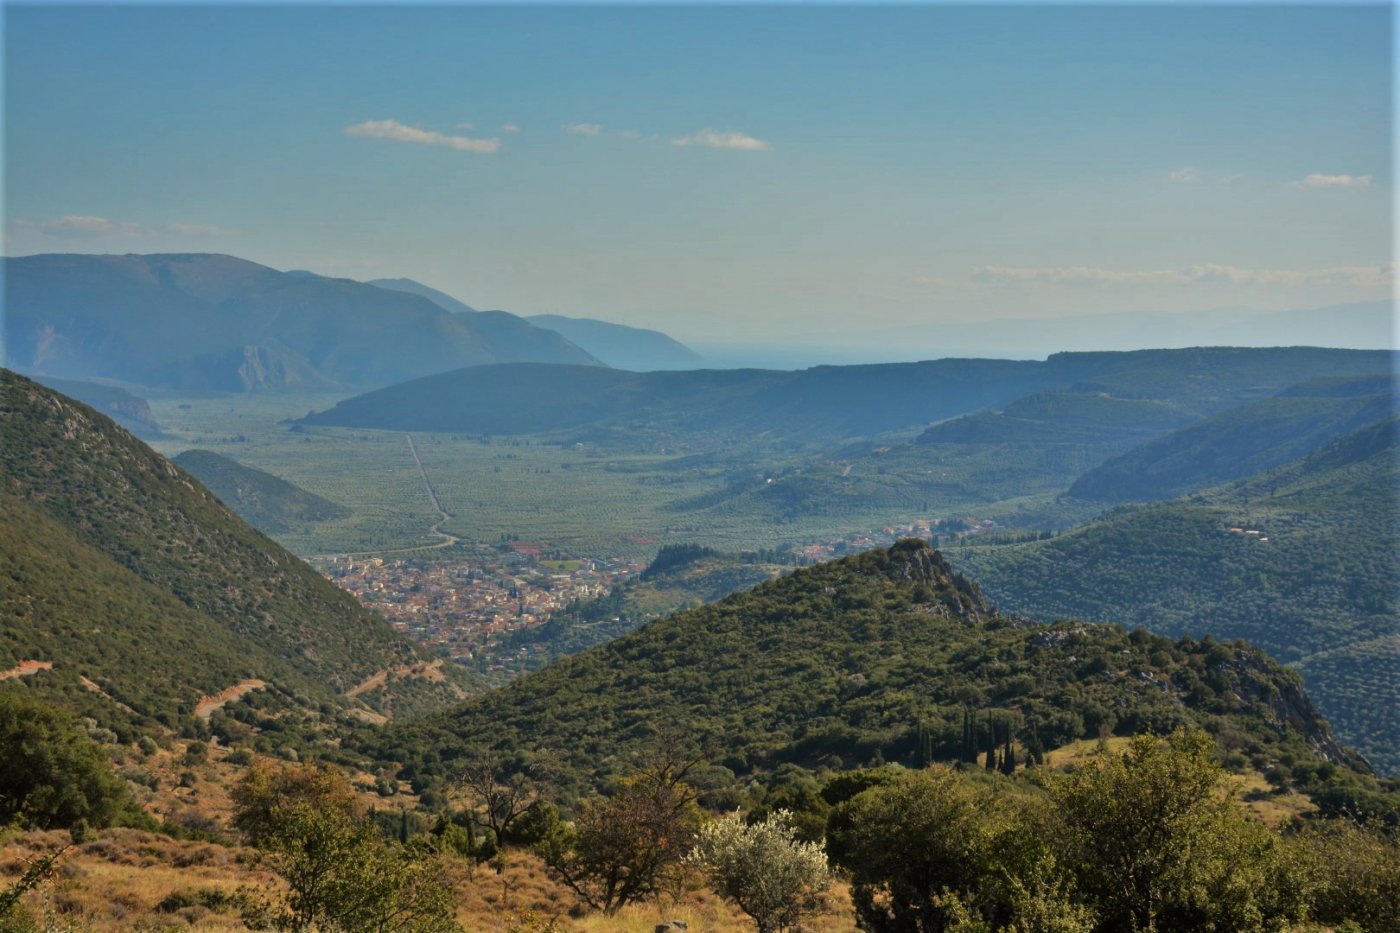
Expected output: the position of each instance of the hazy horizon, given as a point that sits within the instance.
(795, 176)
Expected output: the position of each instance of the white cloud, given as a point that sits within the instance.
(1207, 274)
(1186, 173)
(713, 139)
(88, 227)
(583, 129)
(630, 134)
(465, 126)
(1333, 181)
(199, 230)
(508, 128)
(398, 132)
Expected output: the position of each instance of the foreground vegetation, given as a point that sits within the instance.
(1138, 836)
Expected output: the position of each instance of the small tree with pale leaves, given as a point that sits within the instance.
(763, 868)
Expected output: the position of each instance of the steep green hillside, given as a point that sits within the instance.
(1301, 560)
(268, 503)
(199, 322)
(1147, 390)
(1241, 441)
(122, 569)
(879, 656)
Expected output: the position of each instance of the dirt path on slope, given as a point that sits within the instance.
(205, 708)
(423, 670)
(25, 668)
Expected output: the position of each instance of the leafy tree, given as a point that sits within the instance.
(341, 873)
(920, 850)
(51, 774)
(763, 868)
(629, 847)
(1156, 843)
(1356, 872)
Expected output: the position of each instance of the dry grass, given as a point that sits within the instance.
(492, 903)
(116, 882)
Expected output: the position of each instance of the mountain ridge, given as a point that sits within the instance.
(211, 322)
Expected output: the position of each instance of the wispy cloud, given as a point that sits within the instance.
(1333, 181)
(87, 227)
(508, 128)
(1185, 173)
(1091, 277)
(713, 139)
(397, 132)
(198, 230)
(583, 129)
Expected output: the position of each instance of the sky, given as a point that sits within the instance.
(819, 175)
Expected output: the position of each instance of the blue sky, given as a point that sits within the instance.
(835, 173)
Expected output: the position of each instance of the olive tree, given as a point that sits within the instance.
(763, 868)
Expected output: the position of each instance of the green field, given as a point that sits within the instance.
(585, 500)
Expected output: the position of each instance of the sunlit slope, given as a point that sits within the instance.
(1301, 560)
(877, 656)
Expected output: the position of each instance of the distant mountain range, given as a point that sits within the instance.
(622, 347)
(132, 593)
(616, 345)
(1133, 391)
(199, 322)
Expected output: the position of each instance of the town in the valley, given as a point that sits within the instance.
(472, 605)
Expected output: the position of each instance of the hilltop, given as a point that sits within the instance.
(879, 657)
(1301, 559)
(208, 322)
(141, 593)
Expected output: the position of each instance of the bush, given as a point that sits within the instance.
(51, 773)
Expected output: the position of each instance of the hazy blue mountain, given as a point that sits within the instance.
(829, 402)
(1240, 441)
(623, 347)
(441, 299)
(213, 322)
